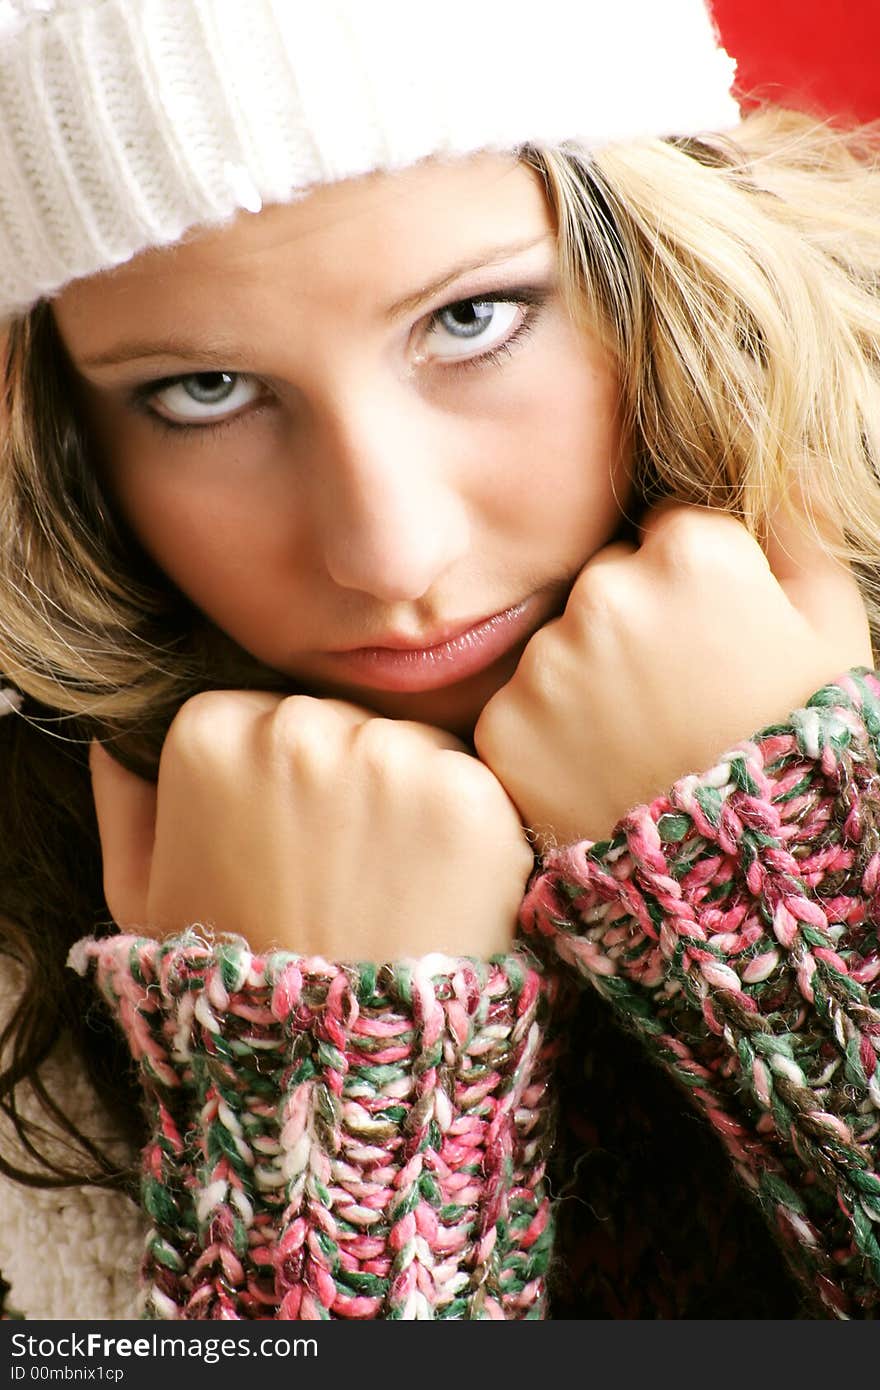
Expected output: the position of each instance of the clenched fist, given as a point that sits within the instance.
(312, 826)
(666, 655)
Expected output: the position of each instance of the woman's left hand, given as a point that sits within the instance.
(665, 656)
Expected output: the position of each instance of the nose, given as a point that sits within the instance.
(386, 501)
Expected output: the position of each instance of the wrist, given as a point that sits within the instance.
(336, 1142)
(731, 859)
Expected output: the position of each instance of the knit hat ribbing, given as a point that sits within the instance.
(123, 123)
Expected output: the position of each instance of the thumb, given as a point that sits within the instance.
(126, 810)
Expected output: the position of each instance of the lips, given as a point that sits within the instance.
(398, 665)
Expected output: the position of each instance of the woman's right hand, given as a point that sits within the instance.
(313, 826)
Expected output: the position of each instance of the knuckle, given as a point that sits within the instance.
(381, 755)
(201, 722)
(472, 792)
(392, 753)
(697, 540)
(377, 737)
(311, 716)
(213, 723)
(682, 531)
(298, 717)
(402, 744)
(598, 597)
(304, 735)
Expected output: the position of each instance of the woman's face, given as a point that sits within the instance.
(354, 427)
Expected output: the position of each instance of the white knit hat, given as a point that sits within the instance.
(125, 122)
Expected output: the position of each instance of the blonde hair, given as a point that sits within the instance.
(735, 279)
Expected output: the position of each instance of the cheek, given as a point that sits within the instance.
(220, 543)
(563, 474)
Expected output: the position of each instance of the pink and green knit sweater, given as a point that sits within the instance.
(337, 1141)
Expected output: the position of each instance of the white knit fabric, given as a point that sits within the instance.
(125, 122)
(71, 1253)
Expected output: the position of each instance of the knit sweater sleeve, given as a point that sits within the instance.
(733, 924)
(335, 1142)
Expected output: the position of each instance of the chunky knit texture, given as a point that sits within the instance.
(329, 1142)
(339, 1142)
(125, 122)
(734, 925)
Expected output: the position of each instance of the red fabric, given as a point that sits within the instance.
(816, 55)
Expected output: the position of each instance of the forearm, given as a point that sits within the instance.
(732, 924)
(336, 1142)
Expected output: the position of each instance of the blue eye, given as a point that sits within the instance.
(201, 397)
(209, 388)
(481, 326)
(481, 323)
(463, 336)
(478, 314)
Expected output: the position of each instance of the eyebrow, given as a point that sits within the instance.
(217, 354)
(485, 260)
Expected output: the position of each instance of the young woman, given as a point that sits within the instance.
(408, 493)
